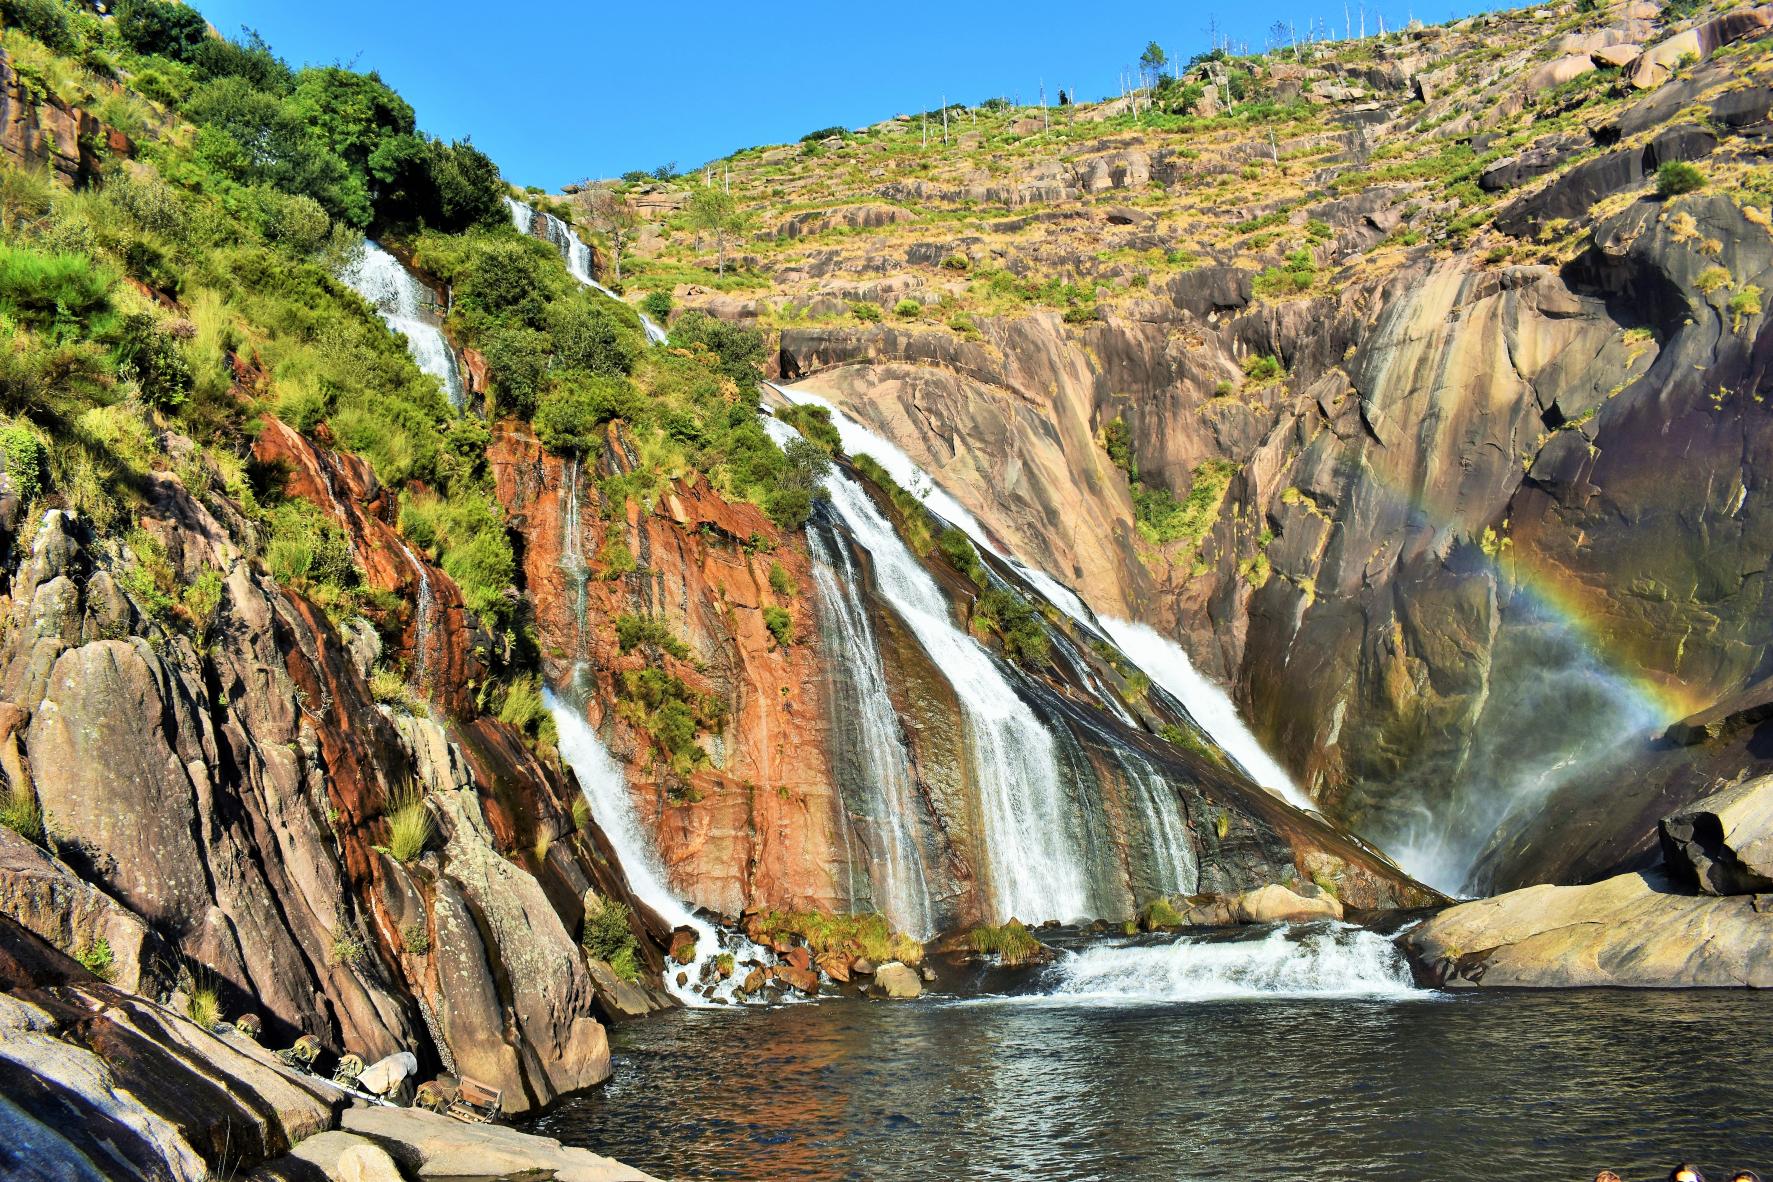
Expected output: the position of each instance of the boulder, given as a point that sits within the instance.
(1616, 56)
(793, 975)
(1632, 930)
(429, 1145)
(1723, 843)
(1276, 904)
(1559, 71)
(340, 1156)
(897, 980)
(44, 895)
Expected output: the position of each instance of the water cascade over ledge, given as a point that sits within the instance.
(408, 308)
(575, 253)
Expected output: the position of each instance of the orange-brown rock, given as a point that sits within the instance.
(44, 131)
(760, 824)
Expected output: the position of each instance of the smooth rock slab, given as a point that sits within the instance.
(1723, 843)
(433, 1146)
(1634, 931)
(898, 981)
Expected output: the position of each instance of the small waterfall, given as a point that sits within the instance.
(1319, 960)
(606, 791)
(1031, 830)
(424, 611)
(875, 743)
(404, 303)
(572, 545)
(576, 255)
(1171, 852)
(1167, 665)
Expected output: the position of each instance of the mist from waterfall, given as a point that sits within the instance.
(1554, 717)
(404, 304)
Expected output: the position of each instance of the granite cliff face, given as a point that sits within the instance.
(1484, 517)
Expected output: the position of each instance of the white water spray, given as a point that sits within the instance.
(1321, 960)
(402, 303)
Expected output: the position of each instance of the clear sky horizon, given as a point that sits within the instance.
(558, 94)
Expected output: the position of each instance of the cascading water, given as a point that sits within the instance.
(577, 255)
(402, 302)
(572, 546)
(606, 792)
(1319, 960)
(883, 775)
(1165, 662)
(1031, 830)
(1161, 659)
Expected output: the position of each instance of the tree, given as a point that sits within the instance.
(158, 26)
(611, 215)
(713, 209)
(1153, 61)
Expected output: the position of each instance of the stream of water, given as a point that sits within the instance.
(406, 307)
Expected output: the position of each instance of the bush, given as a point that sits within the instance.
(571, 420)
(46, 20)
(958, 549)
(1161, 519)
(634, 631)
(465, 532)
(907, 309)
(65, 294)
(740, 351)
(1677, 177)
(204, 1006)
(814, 424)
(608, 936)
(865, 311)
(657, 304)
(152, 360)
(409, 825)
(20, 812)
(781, 582)
(587, 336)
(780, 624)
(1263, 368)
(161, 27)
(1011, 942)
(1017, 624)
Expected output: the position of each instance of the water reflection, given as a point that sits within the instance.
(1497, 1085)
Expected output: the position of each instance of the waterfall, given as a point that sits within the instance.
(1172, 854)
(1031, 831)
(1319, 960)
(572, 545)
(576, 255)
(1161, 659)
(1167, 665)
(875, 742)
(404, 303)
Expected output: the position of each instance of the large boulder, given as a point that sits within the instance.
(1276, 904)
(897, 980)
(1723, 843)
(44, 895)
(1633, 930)
(428, 1145)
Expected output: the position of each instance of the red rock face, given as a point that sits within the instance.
(437, 634)
(49, 132)
(760, 825)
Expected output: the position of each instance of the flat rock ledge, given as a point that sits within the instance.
(1631, 931)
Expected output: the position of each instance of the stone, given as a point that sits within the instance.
(429, 1145)
(800, 957)
(1559, 71)
(47, 897)
(1632, 930)
(862, 967)
(898, 980)
(1617, 57)
(346, 1157)
(836, 966)
(1276, 904)
(805, 980)
(1723, 843)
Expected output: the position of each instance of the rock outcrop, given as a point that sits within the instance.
(1723, 843)
(1631, 931)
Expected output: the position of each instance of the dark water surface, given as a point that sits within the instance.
(1516, 1085)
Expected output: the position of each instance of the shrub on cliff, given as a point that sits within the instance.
(161, 27)
(609, 936)
(958, 549)
(1677, 177)
(739, 351)
(780, 624)
(570, 420)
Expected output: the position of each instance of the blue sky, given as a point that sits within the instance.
(559, 92)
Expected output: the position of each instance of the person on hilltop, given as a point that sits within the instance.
(1745, 1176)
(1686, 1172)
(1608, 1176)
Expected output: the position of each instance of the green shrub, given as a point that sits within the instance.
(1161, 519)
(867, 935)
(1080, 314)
(416, 938)
(24, 456)
(1677, 177)
(907, 309)
(814, 424)
(20, 812)
(97, 958)
(570, 420)
(67, 295)
(1712, 280)
(781, 582)
(657, 304)
(161, 27)
(780, 624)
(204, 1006)
(409, 824)
(825, 133)
(465, 533)
(958, 549)
(1011, 942)
(1263, 368)
(865, 311)
(739, 351)
(1297, 275)
(1017, 625)
(634, 631)
(608, 935)
(1743, 305)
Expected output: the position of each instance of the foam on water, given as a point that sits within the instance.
(1317, 960)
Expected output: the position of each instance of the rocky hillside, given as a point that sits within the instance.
(1414, 383)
